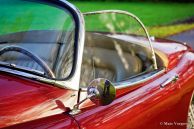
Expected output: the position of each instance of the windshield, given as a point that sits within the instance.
(117, 47)
(113, 23)
(120, 25)
(37, 36)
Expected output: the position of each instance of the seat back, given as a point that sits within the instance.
(102, 59)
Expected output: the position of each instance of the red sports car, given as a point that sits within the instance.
(60, 68)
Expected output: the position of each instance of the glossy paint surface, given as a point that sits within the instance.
(52, 122)
(150, 106)
(26, 103)
(23, 100)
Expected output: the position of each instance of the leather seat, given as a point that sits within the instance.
(107, 62)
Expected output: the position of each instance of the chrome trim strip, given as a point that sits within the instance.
(33, 77)
(125, 84)
(26, 75)
(137, 19)
(73, 82)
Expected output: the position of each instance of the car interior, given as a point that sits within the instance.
(45, 44)
(114, 59)
(104, 56)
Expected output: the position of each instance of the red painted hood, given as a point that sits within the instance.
(24, 100)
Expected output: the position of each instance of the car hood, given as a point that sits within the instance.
(23, 100)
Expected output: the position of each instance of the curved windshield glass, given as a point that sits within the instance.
(117, 47)
(36, 37)
(113, 23)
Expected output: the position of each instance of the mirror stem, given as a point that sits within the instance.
(76, 107)
(88, 97)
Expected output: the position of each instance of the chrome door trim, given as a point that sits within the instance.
(137, 19)
(128, 83)
(172, 79)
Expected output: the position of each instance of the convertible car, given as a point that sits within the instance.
(60, 68)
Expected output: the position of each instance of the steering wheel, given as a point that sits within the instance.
(38, 60)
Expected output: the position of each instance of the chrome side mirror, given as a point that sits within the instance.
(100, 91)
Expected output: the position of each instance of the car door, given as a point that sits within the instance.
(151, 93)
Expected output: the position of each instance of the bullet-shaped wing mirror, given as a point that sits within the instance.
(101, 91)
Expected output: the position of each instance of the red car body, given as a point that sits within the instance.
(146, 106)
(29, 104)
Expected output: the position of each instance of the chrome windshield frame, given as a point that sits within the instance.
(138, 20)
(72, 82)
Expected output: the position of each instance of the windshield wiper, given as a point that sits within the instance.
(23, 69)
